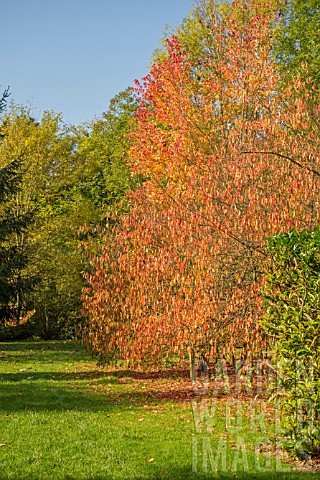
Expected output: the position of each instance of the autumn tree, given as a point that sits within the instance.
(230, 160)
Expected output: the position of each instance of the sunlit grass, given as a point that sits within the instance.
(62, 417)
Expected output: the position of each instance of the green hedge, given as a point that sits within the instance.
(292, 299)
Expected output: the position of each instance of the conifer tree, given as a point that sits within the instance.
(12, 258)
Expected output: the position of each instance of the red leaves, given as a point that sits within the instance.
(182, 269)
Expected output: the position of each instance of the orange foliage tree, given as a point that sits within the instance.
(230, 160)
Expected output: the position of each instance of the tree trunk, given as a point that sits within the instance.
(18, 310)
(193, 368)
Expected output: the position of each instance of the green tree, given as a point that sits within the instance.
(71, 175)
(105, 176)
(298, 42)
(48, 165)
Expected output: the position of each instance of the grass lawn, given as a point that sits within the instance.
(62, 417)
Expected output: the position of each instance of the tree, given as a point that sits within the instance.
(3, 99)
(230, 160)
(70, 176)
(105, 177)
(47, 165)
(12, 258)
(297, 47)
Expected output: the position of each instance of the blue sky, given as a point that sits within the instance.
(73, 56)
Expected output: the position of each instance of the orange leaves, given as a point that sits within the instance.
(182, 269)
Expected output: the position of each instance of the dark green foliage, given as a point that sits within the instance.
(9, 177)
(15, 333)
(292, 298)
(3, 99)
(12, 258)
(14, 283)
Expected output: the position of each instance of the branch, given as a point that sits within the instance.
(3, 99)
(315, 172)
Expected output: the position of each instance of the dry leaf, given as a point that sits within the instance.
(150, 460)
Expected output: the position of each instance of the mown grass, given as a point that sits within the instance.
(62, 417)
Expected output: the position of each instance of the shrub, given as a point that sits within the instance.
(292, 298)
(15, 333)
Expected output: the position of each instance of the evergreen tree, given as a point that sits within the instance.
(12, 258)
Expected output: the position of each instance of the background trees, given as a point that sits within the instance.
(13, 224)
(297, 47)
(69, 176)
(104, 176)
(13, 259)
(46, 164)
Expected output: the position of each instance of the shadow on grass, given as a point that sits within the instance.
(27, 345)
(187, 474)
(71, 352)
(50, 396)
(34, 398)
(59, 376)
(113, 376)
(93, 389)
(45, 352)
(169, 374)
